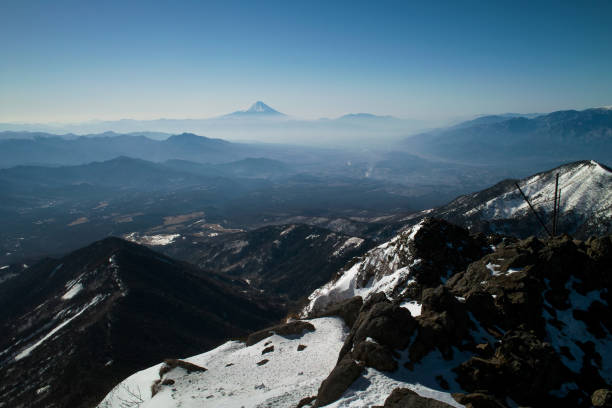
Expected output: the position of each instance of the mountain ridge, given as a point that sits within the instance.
(82, 338)
(435, 317)
(585, 206)
(561, 135)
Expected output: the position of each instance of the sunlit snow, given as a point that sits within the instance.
(234, 379)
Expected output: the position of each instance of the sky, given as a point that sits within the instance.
(70, 61)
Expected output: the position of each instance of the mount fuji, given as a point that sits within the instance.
(258, 109)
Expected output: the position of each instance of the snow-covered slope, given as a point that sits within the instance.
(401, 266)
(382, 269)
(585, 206)
(236, 377)
(453, 317)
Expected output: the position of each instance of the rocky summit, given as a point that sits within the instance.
(436, 317)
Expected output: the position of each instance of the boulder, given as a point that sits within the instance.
(523, 368)
(172, 363)
(602, 398)
(294, 328)
(347, 310)
(375, 355)
(443, 323)
(342, 376)
(387, 323)
(478, 400)
(406, 398)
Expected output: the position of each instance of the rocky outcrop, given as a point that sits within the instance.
(478, 400)
(405, 398)
(294, 328)
(530, 319)
(347, 309)
(341, 377)
(602, 398)
(384, 322)
(523, 367)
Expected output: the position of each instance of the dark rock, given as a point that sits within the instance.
(600, 248)
(374, 355)
(388, 324)
(523, 367)
(301, 347)
(267, 350)
(439, 299)
(262, 362)
(443, 247)
(405, 398)
(443, 323)
(348, 310)
(482, 306)
(294, 328)
(484, 350)
(442, 382)
(602, 398)
(155, 387)
(172, 363)
(478, 400)
(168, 381)
(306, 401)
(341, 377)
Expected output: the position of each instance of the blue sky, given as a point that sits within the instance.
(79, 60)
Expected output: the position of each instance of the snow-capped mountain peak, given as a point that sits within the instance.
(258, 109)
(585, 203)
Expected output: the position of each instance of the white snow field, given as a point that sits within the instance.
(233, 377)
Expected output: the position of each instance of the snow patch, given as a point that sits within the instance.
(573, 330)
(413, 306)
(72, 292)
(493, 268)
(26, 352)
(155, 240)
(350, 243)
(287, 230)
(42, 390)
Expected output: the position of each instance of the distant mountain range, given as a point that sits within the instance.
(186, 146)
(519, 141)
(259, 122)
